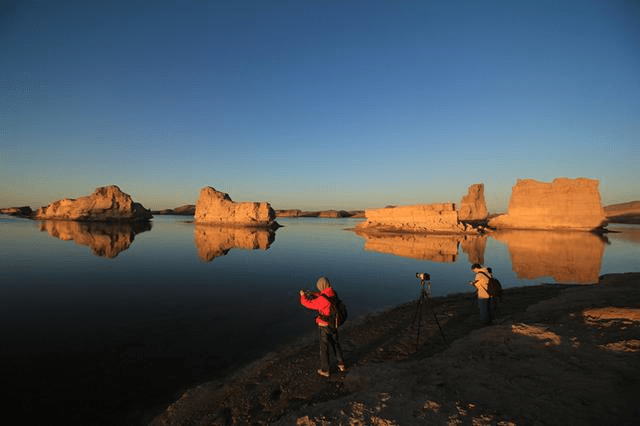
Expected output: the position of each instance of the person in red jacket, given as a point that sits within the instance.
(328, 332)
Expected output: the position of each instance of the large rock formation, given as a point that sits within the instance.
(106, 204)
(215, 207)
(104, 239)
(439, 217)
(473, 206)
(567, 257)
(215, 241)
(562, 204)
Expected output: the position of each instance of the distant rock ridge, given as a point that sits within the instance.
(24, 211)
(572, 204)
(321, 213)
(623, 212)
(184, 210)
(217, 208)
(107, 203)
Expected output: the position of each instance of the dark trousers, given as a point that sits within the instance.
(329, 339)
(487, 311)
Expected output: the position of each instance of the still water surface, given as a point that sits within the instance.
(108, 324)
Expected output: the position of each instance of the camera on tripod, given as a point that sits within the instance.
(423, 276)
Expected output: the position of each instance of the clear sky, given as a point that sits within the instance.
(316, 104)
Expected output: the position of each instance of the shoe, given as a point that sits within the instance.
(322, 373)
(341, 367)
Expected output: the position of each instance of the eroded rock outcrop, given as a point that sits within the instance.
(24, 211)
(217, 208)
(216, 241)
(563, 204)
(473, 206)
(106, 204)
(439, 217)
(567, 257)
(104, 239)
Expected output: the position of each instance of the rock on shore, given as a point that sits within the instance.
(107, 203)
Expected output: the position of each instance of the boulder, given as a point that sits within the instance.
(572, 204)
(215, 207)
(473, 206)
(439, 217)
(106, 204)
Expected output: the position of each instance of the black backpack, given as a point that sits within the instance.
(494, 288)
(337, 311)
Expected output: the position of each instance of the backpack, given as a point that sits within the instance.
(337, 311)
(494, 288)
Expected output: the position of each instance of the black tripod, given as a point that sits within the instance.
(425, 298)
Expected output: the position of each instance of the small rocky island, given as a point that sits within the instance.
(106, 204)
(217, 208)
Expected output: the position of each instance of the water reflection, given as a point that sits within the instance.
(435, 248)
(568, 257)
(104, 239)
(214, 241)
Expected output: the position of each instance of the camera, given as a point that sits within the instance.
(310, 295)
(423, 276)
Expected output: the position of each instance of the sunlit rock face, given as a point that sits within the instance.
(107, 203)
(567, 257)
(473, 206)
(562, 204)
(104, 239)
(215, 241)
(214, 207)
(435, 248)
(440, 217)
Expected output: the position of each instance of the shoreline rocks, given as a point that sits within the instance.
(106, 204)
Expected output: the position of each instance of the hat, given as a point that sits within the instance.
(322, 283)
(476, 266)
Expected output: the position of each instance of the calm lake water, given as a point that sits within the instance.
(108, 324)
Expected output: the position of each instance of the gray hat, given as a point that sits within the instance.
(322, 283)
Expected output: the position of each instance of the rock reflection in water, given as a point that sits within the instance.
(442, 248)
(213, 241)
(567, 257)
(105, 239)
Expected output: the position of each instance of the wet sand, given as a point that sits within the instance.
(557, 354)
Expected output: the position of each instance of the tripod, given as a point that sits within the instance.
(425, 298)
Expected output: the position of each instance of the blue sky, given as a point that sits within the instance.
(316, 104)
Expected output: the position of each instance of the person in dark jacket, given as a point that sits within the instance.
(328, 332)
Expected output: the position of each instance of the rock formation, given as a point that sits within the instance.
(17, 211)
(623, 212)
(216, 241)
(473, 206)
(567, 257)
(440, 217)
(184, 210)
(435, 248)
(214, 207)
(104, 239)
(107, 203)
(563, 204)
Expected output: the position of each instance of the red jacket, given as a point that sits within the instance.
(319, 304)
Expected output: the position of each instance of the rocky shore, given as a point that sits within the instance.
(558, 354)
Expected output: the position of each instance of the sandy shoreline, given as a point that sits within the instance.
(558, 354)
